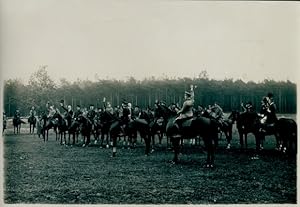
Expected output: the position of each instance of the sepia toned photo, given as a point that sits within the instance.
(149, 102)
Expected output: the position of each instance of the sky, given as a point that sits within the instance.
(251, 41)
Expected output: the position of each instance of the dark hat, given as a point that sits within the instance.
(62, 101)
(124, 102)
(270, 95)
(78, 106)
(92, 105)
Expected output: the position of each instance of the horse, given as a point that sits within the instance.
(286, 131)
(74, 130)
(86, 126)
(157, 127)
(48, 124)
(131, 128)
(106, 120)
(196, 126)
(17, 121)
(159, 124)
(61, 126)
(32, 123)
(247, 122)
(225, 126)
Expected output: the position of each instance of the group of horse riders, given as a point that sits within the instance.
(127, 113)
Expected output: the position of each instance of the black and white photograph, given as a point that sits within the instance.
(176, 102)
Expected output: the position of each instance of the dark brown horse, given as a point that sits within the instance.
(247, 122)
(47, 124)
(74, 130)
(62, 127)
(32, 123)
(286, 131)
(17, 121)
(199, 126)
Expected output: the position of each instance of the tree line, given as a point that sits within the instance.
(229, 94)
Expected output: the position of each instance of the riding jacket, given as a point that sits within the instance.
(187, 109)
(32, 112)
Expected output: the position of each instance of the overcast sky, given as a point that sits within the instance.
(118, 39)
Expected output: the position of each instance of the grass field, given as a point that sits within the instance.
(38, 172)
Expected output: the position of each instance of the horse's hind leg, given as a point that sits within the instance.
(114, 140)
(73, 135)
(147, 139)
(229, 137)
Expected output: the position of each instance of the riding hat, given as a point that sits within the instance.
(270, 95)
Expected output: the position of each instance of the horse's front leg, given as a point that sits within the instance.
(47, 134)
(176, 146)
(229, 136)
(65, 138)
(60, 134)
(246, 140)
(160, 137)
(114, 148)
(241, 135)
(147, 139)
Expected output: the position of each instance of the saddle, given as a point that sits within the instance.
(187, 122)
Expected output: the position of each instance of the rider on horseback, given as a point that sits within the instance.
(68, 114)
(248, 107)
(91, 114)
(217, 113)
(174, 109)
(126, 112)
(108, 107)
(186, 112)
(17, 114)
(51, 112)
(268, 111)
(78, 112)
(32, 112)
